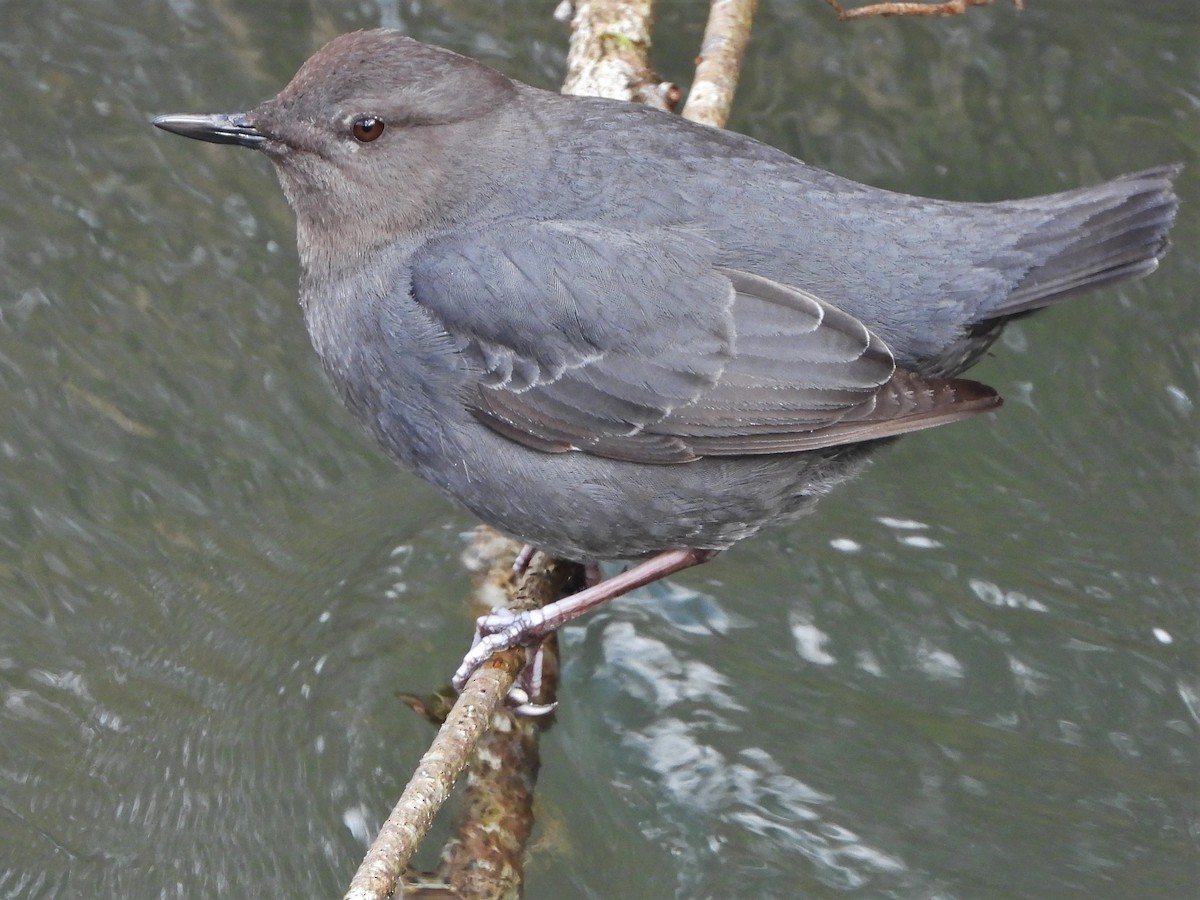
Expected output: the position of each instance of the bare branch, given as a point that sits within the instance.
(377, 877)
(720, 62)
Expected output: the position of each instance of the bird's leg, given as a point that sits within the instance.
(524, 558)
(503, 630)
(529, 679)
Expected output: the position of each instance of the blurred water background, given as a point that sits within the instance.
(974, 674)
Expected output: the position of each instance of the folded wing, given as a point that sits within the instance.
(640, 347)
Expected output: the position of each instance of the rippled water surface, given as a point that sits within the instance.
(974, 674)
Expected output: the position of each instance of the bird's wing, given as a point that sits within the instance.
(636, 346)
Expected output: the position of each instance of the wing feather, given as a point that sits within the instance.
(638, 347)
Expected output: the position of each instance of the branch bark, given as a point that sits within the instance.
(484, 861)
(720, 63)
(609, 52)
(478, 709)
(398, 839)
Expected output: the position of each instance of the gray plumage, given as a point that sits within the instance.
(609, 331)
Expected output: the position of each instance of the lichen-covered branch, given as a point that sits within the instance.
(609, 54)
(949, 8)
(478, 711)
(720, 63)
(484, 860)
(430, 785)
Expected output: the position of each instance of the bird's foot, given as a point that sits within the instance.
(529, 685)
(504, 629)
(501, 630)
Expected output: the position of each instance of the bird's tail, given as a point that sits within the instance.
(1094, 236)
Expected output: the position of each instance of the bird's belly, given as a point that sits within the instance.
(584, 507)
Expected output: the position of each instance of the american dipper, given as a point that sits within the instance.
(616, 334)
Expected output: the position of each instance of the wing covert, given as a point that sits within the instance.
(637, 346)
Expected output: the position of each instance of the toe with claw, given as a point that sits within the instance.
(503, 629)
(498, 631)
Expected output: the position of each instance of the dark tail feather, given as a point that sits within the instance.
(1095, 236)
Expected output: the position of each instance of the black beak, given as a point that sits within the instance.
(222, 128)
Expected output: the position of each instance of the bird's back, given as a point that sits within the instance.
(924, 274)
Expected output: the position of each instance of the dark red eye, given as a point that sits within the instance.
(367, 128)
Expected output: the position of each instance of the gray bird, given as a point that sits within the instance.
(616, 334)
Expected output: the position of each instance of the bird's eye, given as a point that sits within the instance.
(366, 128)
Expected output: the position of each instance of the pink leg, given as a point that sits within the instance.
(531, 626)
(524, 558)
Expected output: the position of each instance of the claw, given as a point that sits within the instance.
(501, 630)
(518, 701)
(533, 710)
(504, 629)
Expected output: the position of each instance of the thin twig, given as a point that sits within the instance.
(484, 860)
(398, 839)
(720, 63)
(949, 8)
